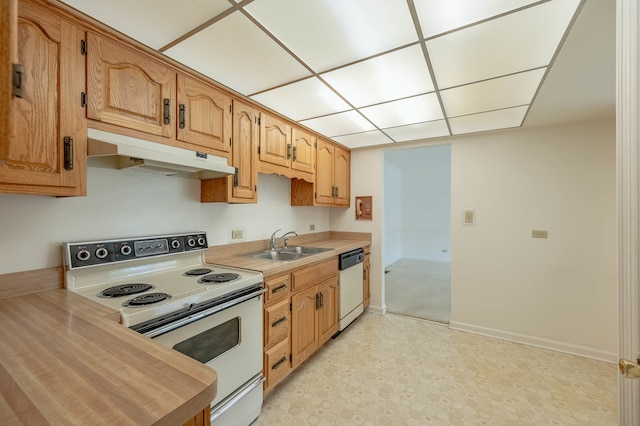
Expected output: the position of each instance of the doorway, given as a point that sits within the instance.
(417, 224)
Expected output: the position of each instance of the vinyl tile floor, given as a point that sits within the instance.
(396, 370)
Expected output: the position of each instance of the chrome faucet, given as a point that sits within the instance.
(274, 241)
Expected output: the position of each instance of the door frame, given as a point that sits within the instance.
(627, 133)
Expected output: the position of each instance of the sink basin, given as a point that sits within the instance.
(275, 255)
(289, 253)
(305, 250)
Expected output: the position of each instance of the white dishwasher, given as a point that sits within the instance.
(350, 286)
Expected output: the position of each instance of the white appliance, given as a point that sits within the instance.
(165, 290)
(351, 297)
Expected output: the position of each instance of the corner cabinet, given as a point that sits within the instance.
(242, 187)
(333, 178)
(45, 151)
(286, 150)
(300, 315)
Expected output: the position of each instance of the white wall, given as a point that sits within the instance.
(129, 204)
(392, 245)
(426, 206)
(559, 292)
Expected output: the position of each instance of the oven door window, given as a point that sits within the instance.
(212, 343)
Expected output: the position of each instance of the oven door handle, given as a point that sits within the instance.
(202, 314)
(235, 396)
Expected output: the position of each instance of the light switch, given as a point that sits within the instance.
(468, 217)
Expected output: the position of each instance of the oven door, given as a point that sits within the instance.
(228, 340)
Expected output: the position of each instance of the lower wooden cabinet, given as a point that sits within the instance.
(366, 277)
(203, 418)
(300, 314)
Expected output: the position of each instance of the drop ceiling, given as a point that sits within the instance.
(363, 72)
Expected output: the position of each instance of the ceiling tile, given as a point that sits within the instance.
(239, 55)
(405, 111)
(156, 23)
(501, 119)
(304, 99)
(517, 42)
(339, 124)
(360, 140)
(392, 76)
(329, 33)
(431, 129)
(439, 16)
(504, 92)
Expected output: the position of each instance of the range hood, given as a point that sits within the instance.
(138, 154)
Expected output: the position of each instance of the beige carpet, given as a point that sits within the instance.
(419, 288)
(396, 370)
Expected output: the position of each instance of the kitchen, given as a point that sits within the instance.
(37, 225)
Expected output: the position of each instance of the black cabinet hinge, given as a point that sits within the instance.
(83, 99)
(230, 143)
(235, 177)
(167, 111)
(259, 120)
(258, 149)
(255, 188)
(290, 358)
(83, 47)
(291, 306)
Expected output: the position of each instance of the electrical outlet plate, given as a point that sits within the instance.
(312, 227)
(539, 234)
(468, 217)
(237, 233)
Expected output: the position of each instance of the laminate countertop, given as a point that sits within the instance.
(64, 361)
(228, 256)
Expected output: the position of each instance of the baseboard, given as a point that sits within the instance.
(553, 345)
(380, 310)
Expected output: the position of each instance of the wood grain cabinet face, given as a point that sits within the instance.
(203, 116)
(328, 313)
(275, 141)
(303, 150)
(304, 325)
(277, 363)
(276, 323)
(45, 152)
(342, 176)
(129, 89)
(324, 173)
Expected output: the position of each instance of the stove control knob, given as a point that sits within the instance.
(83, 255)
(200, 241)
(125, 250)
(175, 244)
(191, 242)
(101, 253)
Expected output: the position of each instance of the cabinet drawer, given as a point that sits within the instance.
(276, 363)
(314, 274)
(278, 288)
(276, 323)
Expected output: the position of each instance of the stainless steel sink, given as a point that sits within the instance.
(305, 250)
(286, 254)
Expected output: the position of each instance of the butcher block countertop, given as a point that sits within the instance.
(234, 254)
(64, 361)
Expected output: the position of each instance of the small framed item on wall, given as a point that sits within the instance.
(364, 208)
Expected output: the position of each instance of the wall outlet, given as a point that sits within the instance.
(312, 227)
(539, 234)
(237, 234)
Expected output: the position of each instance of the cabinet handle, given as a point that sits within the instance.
(68, 153)
(278, 363)
(181, 116)
(278, 321)
(295, 153)
(337, 192)
(288, 151)
(235, 177)
(279, 288)
(18, 80)
(321, 300)
(167, 112)
(318, 306)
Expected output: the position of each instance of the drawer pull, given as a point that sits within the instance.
(279, 288)
(278, 363)
(278, 321)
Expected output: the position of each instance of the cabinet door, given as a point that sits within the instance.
(303, 150)
(275, 141)
(47, 119)
(245, 151)
(328, 312)
(8, 42)
(342, 176)
(204, 116)
(324, 172)
(276, 364)
(304, 328)
(129, 89)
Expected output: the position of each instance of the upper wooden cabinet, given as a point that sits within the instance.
(46, 149)
(286, 150)
(204, 115)
(333, 177)
(243, 186)
(128, 88)
(8, 41)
